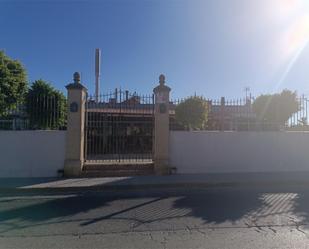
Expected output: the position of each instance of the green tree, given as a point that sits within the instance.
(45, 106)
(13, 83)
(276, 108)
(192, 113)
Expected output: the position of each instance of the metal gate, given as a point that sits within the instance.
(119, 127)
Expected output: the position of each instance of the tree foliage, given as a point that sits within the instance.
(13, 83)
(276, 108)
(45, 106)
(192, 113)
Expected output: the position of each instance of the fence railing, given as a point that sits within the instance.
(37, 112)
(49, 112)
(119, 98)
(239, 115)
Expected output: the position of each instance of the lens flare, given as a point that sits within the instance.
(295, 36)
(286, 8)
(294, 18)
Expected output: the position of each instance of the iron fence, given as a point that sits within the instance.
(37, 112)
(119, 127)
(239, 115)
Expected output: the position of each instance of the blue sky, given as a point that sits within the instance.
(211, 47)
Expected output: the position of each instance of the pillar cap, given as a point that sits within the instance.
(76, 84)
(76, 78)
(162, 79)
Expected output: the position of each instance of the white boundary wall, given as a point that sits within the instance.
(227, 152)
(31, 153)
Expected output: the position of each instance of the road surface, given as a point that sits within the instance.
(215, 217)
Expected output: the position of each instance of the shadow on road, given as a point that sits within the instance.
(220, 206)
(212, 205)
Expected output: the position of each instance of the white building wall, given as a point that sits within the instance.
(31, 153)
(227, 152)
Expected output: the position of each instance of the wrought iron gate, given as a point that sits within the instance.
(119, 127)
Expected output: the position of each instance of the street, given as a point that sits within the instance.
(214, 217)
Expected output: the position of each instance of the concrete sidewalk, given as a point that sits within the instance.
(144, 182)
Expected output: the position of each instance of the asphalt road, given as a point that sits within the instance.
(227, 217)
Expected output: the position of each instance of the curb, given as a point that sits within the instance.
(184, 185)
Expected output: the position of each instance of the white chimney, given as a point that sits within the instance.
(97, 73)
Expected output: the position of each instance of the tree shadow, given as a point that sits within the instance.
(220, 206)
(62, 209)
(55, 208)
(257, 204)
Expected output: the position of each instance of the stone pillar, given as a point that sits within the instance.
(161, 137)
(74, 154)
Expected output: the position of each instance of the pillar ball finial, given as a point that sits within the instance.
(162, 79)
(76, 77)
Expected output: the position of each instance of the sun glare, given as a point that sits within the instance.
(291, 17)
(286, 8)
(296, 28)
(294, 24)
(294, 17)
(296, 35)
